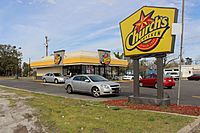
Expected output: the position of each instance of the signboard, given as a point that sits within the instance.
(59, 57)
(104, 57)
(148, 31)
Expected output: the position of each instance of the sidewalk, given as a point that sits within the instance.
(16, 116)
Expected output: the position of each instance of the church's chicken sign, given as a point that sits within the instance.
(148, 31)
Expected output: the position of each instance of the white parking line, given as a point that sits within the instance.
(53, 84)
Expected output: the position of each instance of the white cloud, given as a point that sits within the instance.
(51, 1)
(101, 31)
(113, 44)
(108, 2)
(19, 1)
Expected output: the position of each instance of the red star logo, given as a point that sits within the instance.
(144, 21)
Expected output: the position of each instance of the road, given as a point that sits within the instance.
(190, 91)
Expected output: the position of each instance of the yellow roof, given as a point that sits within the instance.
(76, 58)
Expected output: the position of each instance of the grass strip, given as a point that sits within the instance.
(63, 115)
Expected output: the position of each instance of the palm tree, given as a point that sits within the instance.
(118, 55)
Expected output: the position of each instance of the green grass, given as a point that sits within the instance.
(73, 116)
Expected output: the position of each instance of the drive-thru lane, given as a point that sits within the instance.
(190, 90)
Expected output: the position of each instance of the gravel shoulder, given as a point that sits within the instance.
(16, 116)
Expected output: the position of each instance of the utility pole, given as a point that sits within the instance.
(46, 45)
(181, 55)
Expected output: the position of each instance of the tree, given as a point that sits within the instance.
(143, 67)
(10, 60)
(188, 61)
(25, 69)
(118, 55)
(169, 61)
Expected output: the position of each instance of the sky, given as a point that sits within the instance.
(75, 25)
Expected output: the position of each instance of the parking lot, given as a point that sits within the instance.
(190, 90)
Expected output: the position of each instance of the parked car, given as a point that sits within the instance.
(93, 84)
(129, 77)
(194, 77)
(174, 75)
(53, 77)
(151, 81)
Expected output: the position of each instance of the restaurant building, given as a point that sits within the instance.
(101, 62)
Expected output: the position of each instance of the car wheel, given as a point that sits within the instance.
(156, 86)
(141, 84)
(69, 89)
(55, 81)
(44, 80)
(95, 92)
(169, 87)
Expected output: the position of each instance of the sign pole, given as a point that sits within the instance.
(160, 91)
(136, 77)
(181, 55)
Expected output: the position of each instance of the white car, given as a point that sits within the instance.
(129, 77)
(174, 75)
(93, 84)
(53, 77)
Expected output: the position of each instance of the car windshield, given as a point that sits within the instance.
(97, 78)
(57, 74)
(196, 75)
(167, 75)
(174, 73)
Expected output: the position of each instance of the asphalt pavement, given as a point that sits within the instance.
(190, 90)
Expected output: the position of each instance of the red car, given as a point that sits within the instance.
(151, 81)
(194, 77)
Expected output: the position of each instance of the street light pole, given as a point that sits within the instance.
(181, 55)
(46, 45)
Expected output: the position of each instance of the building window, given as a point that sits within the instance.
(87, 69)
(114, 71)
(83, 69)
(96, 69)
(90, 69)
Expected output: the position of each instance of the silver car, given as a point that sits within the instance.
(94, 84)
(53, 77)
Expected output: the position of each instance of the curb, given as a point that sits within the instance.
(192, 127)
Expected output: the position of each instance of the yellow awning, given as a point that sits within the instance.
(90, 58)
(82, 60)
